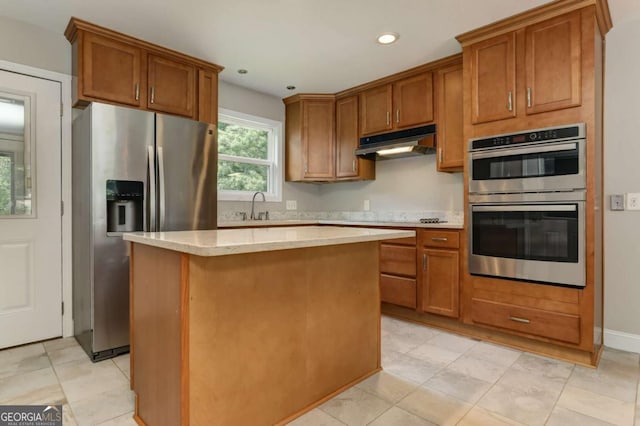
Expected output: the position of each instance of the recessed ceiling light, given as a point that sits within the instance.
(242, 71)
(388, 38)
(291, 87)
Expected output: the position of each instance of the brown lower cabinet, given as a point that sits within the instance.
(434, 286)
(398, 272)
(440, 275)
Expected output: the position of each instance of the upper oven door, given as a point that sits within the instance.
(541, 242)
(530, 168)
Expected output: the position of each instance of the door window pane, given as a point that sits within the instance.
(16, 155)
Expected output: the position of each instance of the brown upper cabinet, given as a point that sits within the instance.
(172, 86)
(348, 165)
(115, 68)
(399, 105)
(111, 70)
(552, 70)
(449, 117)
(321, 137)
(310, 148)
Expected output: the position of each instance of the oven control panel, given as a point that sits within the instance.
(540, 135)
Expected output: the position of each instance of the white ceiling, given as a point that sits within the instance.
(317, 45)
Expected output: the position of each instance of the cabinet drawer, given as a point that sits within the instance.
(398, 260)
(553, 325)
(398, 290)
(438, 238)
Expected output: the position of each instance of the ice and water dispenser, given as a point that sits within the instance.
(125, 206)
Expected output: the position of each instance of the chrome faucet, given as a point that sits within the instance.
(253, 201)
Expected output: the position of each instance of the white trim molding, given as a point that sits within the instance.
(65, 158)
(622, 341)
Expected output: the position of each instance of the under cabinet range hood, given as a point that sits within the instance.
(403, 143)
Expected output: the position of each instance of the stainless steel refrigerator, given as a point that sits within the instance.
(132, 171)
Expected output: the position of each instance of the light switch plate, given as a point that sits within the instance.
(633, 200)
(292, 205)
(366, 205)
(617, 202)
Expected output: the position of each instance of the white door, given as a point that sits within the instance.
(30, 219)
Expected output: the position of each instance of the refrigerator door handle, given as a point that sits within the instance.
(161, 187)
(151, 226)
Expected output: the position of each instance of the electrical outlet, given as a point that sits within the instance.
(633, 200)
(292, 205)
(617, 202)
(366, 205)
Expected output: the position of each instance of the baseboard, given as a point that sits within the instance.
(621, 340)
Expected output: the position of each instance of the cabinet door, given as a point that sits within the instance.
(346, 137)
(171, 86)
(493, 79)
(450, 141)
(318, 139)
(207, 96)
(552, 58)
(375, 110)
(110, 70)
(413, 101)
(440, 281)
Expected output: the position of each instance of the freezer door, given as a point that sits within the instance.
(187, 157)
(120, 139)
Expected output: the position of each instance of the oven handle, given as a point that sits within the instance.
(532, 150)
(525, 208)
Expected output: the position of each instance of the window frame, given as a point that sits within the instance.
(274, 159)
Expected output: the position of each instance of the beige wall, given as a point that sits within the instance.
(622, 174)
(30, 45)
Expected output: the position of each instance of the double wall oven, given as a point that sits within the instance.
(527, 206)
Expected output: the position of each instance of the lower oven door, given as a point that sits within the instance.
(542, 241)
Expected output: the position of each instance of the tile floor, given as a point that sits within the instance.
(430, 377)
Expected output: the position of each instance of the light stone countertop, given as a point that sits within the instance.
(234, 241)
(294, 222)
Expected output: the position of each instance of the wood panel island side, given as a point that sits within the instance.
(251, 326)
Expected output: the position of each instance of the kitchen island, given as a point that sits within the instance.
(251, 326)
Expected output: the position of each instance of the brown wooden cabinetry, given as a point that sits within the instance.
(115, 68)
(398, 272)
(450, 140)
(172, 86)
(112, 70)
(321, 137)
(440, 275)
(493, 79)
(399, 105)
(207, 96)
(551, 63)
(310, 147)
(348, 165)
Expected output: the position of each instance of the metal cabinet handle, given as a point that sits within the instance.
(439, 239)
(424, 261)
(510, 101)
(388, 118)
(151, 167)
(137, 91)
(161, 189)
(153, 94)
(440, 154)
(528, 97)
(398, 115)
(522, 320)
(353, 165)
(306, 166)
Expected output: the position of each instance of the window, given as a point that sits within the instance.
(249, 156)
